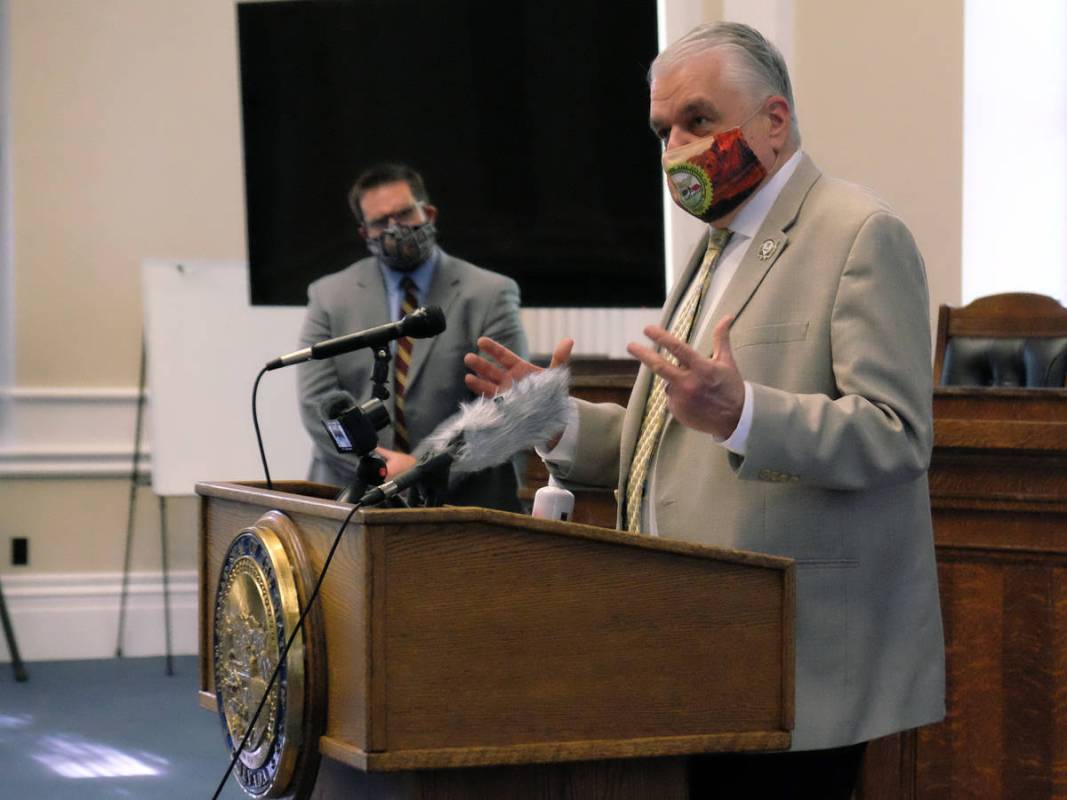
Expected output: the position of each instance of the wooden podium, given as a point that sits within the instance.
(462, 653)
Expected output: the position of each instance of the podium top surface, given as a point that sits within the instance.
(317, 500)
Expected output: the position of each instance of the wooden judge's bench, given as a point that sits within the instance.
(998, 491)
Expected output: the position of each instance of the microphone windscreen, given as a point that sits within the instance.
(424, 322)
(335, 403)
(490, 431)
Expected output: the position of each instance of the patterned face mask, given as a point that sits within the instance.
(404, 247)
(710, 177)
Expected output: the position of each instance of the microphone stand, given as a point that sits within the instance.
(371, 469)
(380, 376)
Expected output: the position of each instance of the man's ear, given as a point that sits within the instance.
(362, 233)
(781, 118)
(430, 212)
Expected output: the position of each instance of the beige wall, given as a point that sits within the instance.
(126, 144)
(125, 125)
(126, 130)
(879, 88)
(80, 526)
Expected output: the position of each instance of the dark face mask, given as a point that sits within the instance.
(404, 247)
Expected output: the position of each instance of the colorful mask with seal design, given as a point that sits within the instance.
(710, 177)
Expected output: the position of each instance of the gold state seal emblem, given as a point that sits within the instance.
(692, 187)
(256, 609)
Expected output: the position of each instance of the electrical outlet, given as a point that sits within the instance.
(20, 551)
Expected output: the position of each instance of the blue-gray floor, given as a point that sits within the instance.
(105, 729)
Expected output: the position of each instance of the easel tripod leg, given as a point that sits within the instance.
(12, 645)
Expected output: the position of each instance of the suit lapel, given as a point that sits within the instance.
(444, 289)
(371, 301)
(764, 250)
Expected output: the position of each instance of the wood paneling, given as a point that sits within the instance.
(998, 489)
(502, 637)
(624, 779)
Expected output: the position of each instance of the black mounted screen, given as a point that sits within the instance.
(528, 119)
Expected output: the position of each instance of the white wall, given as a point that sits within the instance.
(1015, 148)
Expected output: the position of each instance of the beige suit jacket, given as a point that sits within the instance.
(832, 331)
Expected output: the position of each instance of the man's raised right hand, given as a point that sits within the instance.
(489, 377)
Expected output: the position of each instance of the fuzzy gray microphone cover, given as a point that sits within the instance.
(489, 431)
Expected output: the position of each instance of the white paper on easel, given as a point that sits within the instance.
(206, 343)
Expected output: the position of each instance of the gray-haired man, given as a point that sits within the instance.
(784, 407)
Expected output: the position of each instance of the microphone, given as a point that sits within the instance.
(353, 428)
(490, 431)
(421, 323)
(427, 465)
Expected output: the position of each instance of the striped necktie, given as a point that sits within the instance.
(656, 406)
(401, 365)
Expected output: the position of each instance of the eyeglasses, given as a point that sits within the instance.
(407, 216)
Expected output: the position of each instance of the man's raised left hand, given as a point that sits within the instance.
(706, 394)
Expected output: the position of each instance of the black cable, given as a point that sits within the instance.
(255, 422)
(285, 652)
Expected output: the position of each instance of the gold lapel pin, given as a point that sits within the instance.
(766, 250)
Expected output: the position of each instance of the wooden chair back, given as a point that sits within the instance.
(1017, 320)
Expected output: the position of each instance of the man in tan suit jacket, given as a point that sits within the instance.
(799, 416)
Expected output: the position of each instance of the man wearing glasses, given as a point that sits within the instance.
(406, 269)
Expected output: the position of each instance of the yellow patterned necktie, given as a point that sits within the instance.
(656, 405)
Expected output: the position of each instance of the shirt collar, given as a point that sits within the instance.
(422, 275)
(749, 219)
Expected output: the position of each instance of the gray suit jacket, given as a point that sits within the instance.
(832, 330)
(475, 302)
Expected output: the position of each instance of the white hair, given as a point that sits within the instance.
(754, 64)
